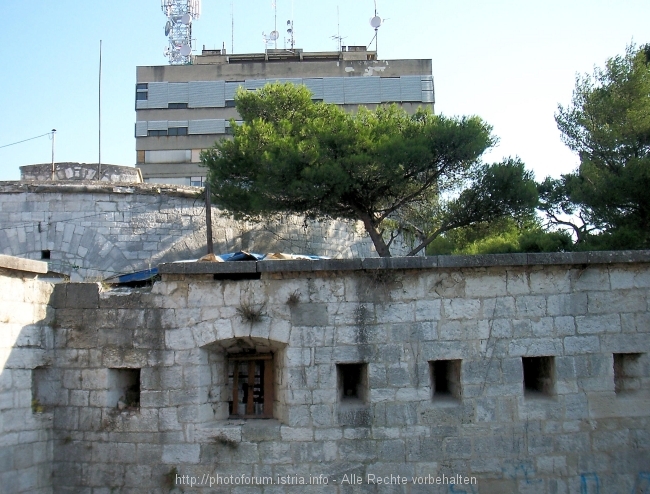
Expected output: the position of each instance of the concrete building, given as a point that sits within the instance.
(183, 109)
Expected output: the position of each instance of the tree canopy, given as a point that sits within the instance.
(396, 173)
(608, 125)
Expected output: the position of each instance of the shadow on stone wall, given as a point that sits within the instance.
(26, 343)
(90, 232)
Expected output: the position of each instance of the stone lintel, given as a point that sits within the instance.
(20, 264)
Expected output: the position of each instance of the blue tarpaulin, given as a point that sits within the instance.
(148, 274)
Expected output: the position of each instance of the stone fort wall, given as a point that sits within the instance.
(527, 373)
(26, 343)
(89, 230)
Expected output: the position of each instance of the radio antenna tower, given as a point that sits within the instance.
(339, 39)
(178, 29)
(375, 23)
(274, 35)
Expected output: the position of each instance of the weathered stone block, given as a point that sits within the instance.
(309, 315)
(181, 453)
(296, 434)
(461, 308)
(581, 344)
(567, 304)
(531, 306)
(610, 323)
(532, 347)
(617, 301)
(82, 295)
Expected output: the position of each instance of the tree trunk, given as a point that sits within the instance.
(380, 245)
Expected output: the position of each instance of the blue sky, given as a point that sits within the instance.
(510, 62)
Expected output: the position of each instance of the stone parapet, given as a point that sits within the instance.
(429, 262)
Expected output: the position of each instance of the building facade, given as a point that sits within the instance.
(183, 109)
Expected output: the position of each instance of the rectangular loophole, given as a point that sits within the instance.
(628, 372)
(46, 388)
(45, 254)
(445, 379)
(123, 388)
(352, 382)
(539, 375)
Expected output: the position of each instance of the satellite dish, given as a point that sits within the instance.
(186, 19)
(274, 35)
(186, 50)
(375, 22)
(168, 28)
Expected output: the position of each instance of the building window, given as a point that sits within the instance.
(197, 181)
(250, 385)
(156, 133)
(445, 379)
(352, 382)
(177, 106)
(177, 131)
(45, 254)
(628, 372)
(230, 103)
(142, 85)
(141, 95)
(123, 388)
(539, 375)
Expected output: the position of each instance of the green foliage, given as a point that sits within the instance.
(499, 237)
(385, 168)
(608, 125)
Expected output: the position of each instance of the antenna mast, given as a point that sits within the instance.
(274, 35)
(375, 23)
(99, 140)
(178, 29)
(53, 137)
(338, 36)
(290, 30)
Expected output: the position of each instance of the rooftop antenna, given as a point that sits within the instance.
(290, 29)
(178, 29)
(291, 33)
(375, 23)
(273, 35)
(338, 36)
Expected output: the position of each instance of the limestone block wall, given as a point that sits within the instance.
(521, 373)
(26, 449)
(90, 231)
